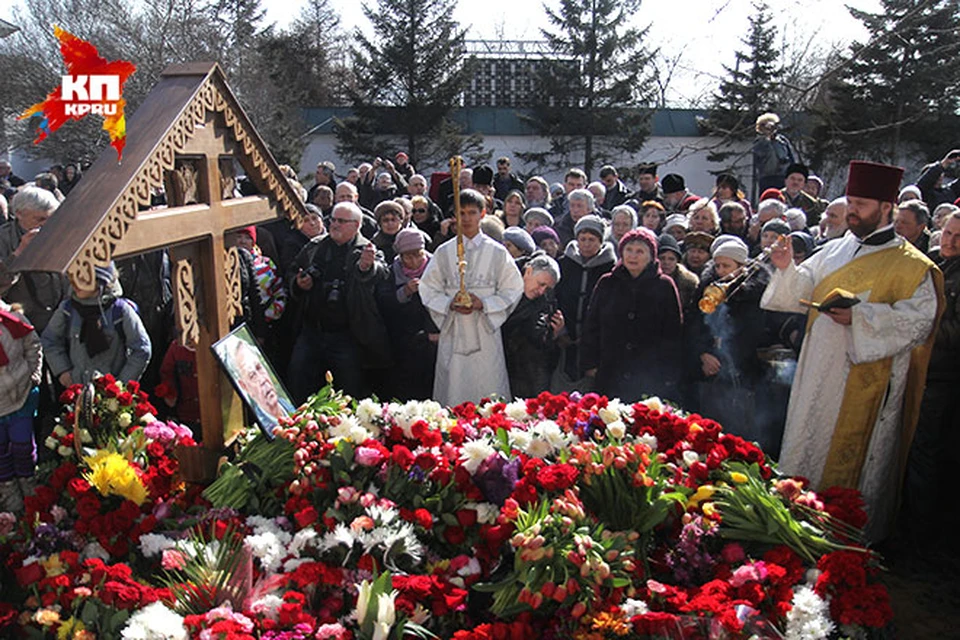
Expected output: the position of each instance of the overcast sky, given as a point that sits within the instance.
(703, 34)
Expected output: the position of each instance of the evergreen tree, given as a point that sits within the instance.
(898, 95)
(750, 87)
(409, 79)
(594, 97)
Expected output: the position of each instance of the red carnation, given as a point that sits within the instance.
(557, 477)
(306, 517)
(423, 518)
(402, 457)
(454, 535)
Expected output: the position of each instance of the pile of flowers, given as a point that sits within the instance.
(562, 516)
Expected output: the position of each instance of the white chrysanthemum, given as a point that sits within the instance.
(289, 566)
(648, 439)
(94, 550)
(153, 544)
(155, 622)
(517, 410)
(486, 410)
(301, 540)
(382, 515)
(617, 429)
(486, 513)
(552, 433)
(539, 448)
(809, 619)
(632, 607)
(369, 413)
(267, 548)
(341, 535)
(268, 606)
(348, 429)
(689, 457)
(474, 452)
(519, 439)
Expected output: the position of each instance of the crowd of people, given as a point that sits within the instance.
(581, 285)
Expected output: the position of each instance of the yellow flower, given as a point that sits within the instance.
(46, 617)
(704, 492)
(111, 474)
(52, 565)
(738, 477)
(70, 629)
(709, 509)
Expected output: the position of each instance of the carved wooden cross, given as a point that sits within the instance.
(185, 137)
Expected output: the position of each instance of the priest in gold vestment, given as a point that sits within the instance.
(860, 376)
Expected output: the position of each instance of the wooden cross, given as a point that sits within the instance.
(185, 137)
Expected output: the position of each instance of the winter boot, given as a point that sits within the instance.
(10, 498)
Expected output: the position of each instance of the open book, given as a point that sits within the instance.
(836, 299)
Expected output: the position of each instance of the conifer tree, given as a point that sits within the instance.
(410, 77)
(896, 95)
(594, 98)
(750, 87)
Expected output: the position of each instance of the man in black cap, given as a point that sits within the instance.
(675, 191)
(649, 184)
(617, 192)
(795, 179)
(483, 182)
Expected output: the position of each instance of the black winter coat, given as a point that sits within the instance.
(733, 333)
(529, 346)
(366, 323)
(633, 334)
(578, 277)
(945, 360)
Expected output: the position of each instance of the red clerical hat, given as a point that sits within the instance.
(875, 181)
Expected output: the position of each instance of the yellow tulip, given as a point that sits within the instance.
(738, 477)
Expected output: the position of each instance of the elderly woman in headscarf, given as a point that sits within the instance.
(585, 259)
(413, 334)
(632, 336)
(97, 332)
(531, 331)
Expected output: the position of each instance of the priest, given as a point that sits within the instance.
(470, 359)
(860, 376)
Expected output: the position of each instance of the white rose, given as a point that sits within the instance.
(59, 430)
(609, 414)
(689, 457)
(125, 420)
(112, 405)
(51, 442)
(617, 429)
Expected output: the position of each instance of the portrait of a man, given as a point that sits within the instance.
(254, 378)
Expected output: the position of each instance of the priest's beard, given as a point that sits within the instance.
(867, 218)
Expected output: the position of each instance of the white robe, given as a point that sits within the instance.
(470, 360)
(877, 331)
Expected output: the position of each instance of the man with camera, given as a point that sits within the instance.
(342, 330)
(933, 184)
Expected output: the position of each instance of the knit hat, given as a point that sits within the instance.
(911, 189)
(732, 247)
(250, 231)
(408, 239)
(672, 182)
(540, 214)
(545, 233)
(592, 223)
(676, 220)
(772, 194)
(796, 219)
(106, 275)
(874, 181)
(799, 167)
(640, 234)
(668, 243)
(776, 225)
(697, 239)
(520, 239)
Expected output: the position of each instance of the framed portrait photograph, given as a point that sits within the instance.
(254, 378)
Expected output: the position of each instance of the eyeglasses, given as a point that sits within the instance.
(419, 210)
(342, 220)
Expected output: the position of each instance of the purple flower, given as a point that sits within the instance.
(496, 477)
